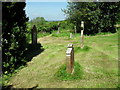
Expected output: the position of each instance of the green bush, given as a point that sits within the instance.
(14, 35)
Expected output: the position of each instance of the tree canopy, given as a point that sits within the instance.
(97, 16)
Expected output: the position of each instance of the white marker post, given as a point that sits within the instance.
(82, 34)
(58, 28)
(71, 35)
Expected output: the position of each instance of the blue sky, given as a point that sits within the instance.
(48, 10)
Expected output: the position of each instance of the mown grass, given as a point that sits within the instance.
(98, 61)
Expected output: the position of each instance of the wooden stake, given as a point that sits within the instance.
(75, 29)
(82, 34)
(70, 35)
(82, 39)
(70, 58)
(58, 28)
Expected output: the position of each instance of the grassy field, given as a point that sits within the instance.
(99, 63)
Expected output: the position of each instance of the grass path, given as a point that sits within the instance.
(100, 64)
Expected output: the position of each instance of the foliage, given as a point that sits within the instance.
(97, 17)
(63, 75)
(103, 33)
(38, 21)
(65, 34)
(14, 35)
(44, 26)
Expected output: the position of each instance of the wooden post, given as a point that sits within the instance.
(34, 35)
(70, 59)
(58, 28)
(82, 34)
(70, 35)
(75, 29)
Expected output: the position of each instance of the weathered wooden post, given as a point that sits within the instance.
(75, 29)
(71, 35)
(82, 34)
(58, 28)
(34, 35)
(70, 59)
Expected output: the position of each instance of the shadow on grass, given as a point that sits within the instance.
(32, 51)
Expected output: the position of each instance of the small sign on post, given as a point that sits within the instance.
(82, 34)
(70, 59)
(34, 35)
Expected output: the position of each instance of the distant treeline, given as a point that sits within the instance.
(48, 26)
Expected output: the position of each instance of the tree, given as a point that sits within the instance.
(38, 21)
(110, 12)
(97, 17)
(14, 35)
